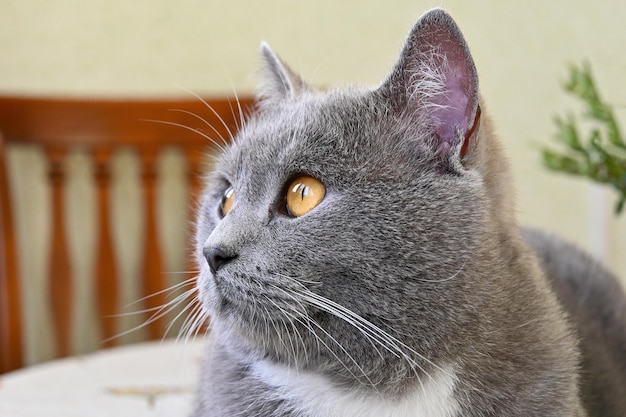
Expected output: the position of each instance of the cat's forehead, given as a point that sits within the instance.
(312, 133)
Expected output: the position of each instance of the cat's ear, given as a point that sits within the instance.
(435, 79)
(278, 81)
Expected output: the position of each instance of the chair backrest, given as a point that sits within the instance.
(100, 128)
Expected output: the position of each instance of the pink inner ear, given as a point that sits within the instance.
(451, 112)
(454, 107)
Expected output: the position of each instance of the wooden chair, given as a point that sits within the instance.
(101, 127)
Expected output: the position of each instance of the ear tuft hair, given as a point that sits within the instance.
(278, 81)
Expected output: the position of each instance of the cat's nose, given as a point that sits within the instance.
(216, 257)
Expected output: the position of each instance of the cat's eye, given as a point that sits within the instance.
(227, 201)
(303, 195)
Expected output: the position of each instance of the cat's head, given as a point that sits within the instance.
(346, 223)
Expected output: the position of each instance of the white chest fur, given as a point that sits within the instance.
(315, 396)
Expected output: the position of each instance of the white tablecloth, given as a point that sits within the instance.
(147, 379)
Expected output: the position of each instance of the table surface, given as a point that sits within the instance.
(146, 379)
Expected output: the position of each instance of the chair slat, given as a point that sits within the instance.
(11, 356)
(60, 288)
(106, 272)
(153, 280)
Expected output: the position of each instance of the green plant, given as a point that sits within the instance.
(600, 154)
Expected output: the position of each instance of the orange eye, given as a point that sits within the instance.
(303, 195)
(227, 201)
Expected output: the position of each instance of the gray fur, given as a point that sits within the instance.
(414, 239)
(595, 302)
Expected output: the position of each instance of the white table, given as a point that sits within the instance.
(147, 379)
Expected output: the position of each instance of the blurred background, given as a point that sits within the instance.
(162, 48)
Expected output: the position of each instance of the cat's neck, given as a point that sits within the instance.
(313, 394)
(488, 157)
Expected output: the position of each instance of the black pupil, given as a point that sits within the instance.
(304, 190)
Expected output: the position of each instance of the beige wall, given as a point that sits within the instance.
(165, 47)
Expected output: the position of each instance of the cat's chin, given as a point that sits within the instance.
(249, 343)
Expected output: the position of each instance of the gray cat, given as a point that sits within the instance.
(360, 256)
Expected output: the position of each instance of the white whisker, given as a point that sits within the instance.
(171, 324)
(206, 122)
(187, 282)
(194, 322)
(215, 113)
(198, 131)
(160, 312)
